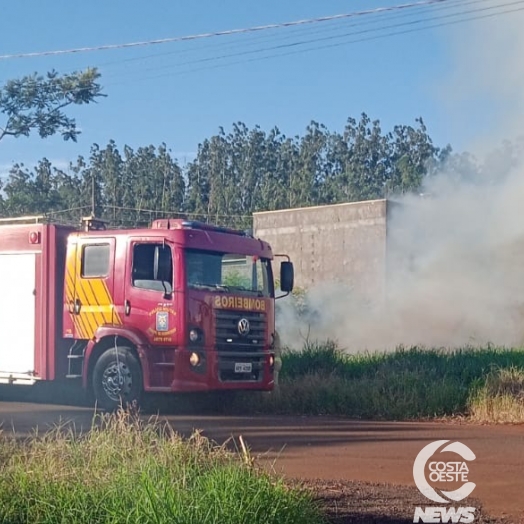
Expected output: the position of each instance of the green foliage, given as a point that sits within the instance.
(325, 358)
(130, 188)
(246, 170)
(233, 175)
(36, 102)
(250, 170)
(404, 384)
(500, 397)
(124, 470)
(236, 279)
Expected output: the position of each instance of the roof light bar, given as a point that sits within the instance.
(178, 223)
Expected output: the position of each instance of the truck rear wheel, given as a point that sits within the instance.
(117, 379)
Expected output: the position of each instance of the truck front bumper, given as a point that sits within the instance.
(196, 369)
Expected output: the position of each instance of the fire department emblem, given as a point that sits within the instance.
(243, 326)
(162, 321)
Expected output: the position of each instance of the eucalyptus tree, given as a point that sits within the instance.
(38, 102)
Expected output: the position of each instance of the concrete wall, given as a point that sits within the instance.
(343, 243)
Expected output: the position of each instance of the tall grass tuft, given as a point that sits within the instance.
(125, 470)
(501, 397)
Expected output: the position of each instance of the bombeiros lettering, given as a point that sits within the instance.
(248, 303)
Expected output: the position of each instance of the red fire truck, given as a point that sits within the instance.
(181, 306)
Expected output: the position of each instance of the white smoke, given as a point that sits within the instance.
(455, 277)
(456, 274)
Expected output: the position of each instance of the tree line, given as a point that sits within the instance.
(233, 174)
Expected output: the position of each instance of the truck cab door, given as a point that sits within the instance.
(149, 304)
(89, 286)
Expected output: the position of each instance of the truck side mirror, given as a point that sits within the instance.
(287, 276)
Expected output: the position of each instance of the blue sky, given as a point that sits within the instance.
(154, 96)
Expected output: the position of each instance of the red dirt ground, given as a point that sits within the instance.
(363, 471)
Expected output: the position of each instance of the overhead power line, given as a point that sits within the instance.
(293, 32)
(222, 33)
(380, 35)
(378, 29)
(160, 212)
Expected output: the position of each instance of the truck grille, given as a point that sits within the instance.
(234, 347)
(228, 337)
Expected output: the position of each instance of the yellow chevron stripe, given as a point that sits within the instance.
(106, 311)
(74, 318)
(91, 307)
(89, 325)
(70, 289)
(115, 316)
(104, 299)
(97, 303)
(84, 318)
(87, 316)
(80, 326)
(70, 286)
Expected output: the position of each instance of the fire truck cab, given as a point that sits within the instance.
(181, 306)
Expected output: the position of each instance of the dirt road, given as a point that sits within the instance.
(336, 449)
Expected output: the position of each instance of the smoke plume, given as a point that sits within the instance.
(456, 255)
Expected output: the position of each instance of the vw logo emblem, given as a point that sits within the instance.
(243, 326)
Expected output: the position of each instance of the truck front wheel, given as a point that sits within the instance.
(117, 379)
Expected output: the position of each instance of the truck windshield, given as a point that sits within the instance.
(228, 272)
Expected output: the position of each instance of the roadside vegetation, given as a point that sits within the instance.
(501, 397)
(125, 470)
(410, 383)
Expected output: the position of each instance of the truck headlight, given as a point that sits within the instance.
(194, 359)
(193, 335)
(196, 336)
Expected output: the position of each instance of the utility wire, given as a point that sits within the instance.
(331, 37)
(293, 32)
(427, 7)
(159, 212)
(348, 42)
(70, 209)
(222, 33)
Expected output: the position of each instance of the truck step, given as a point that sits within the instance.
(75, 356)
(73, 376)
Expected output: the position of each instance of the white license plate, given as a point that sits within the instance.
(241, 367)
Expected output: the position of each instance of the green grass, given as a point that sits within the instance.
(501, 397)
(124, 470)
(409, 383)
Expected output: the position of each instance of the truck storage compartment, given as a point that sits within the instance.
(17, 312)
(32, 255)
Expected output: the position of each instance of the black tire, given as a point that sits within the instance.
(112, 390)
